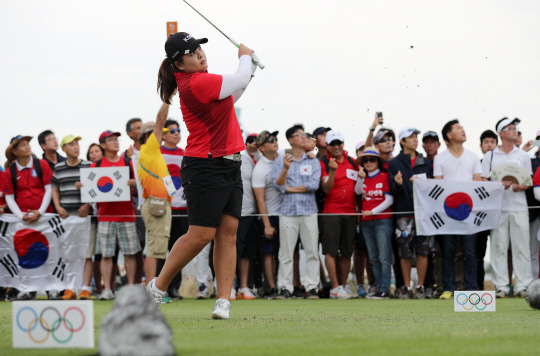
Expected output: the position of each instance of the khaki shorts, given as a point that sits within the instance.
(158, 230)
(92, 243)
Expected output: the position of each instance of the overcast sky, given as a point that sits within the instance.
(81, 67)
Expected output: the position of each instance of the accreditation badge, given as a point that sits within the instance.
(169, 184)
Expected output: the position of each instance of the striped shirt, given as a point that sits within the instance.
(307, 173)
(64, 179)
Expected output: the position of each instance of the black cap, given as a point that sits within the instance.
(430, 134)
(320, 130)
(181, 43)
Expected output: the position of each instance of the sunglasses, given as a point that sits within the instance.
(271, 140)
(251, 139)
(369, 160)
(335, 143)
(173, 131)
(383, 140)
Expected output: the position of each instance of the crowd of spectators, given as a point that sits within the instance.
(350, 213)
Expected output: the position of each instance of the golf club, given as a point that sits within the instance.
(255, 59)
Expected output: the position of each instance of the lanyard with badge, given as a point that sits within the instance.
(169, 184)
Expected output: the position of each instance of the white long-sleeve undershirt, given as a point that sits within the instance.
(14, 207)
(235, 84)
(537, 193)
(388, 201)
(358, 188)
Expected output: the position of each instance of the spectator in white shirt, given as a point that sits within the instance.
(269, 202)
(457, 163)
(514, 221)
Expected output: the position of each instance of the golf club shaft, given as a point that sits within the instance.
(223, 33)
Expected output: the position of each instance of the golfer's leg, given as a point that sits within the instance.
(183, 251)
(225, 255)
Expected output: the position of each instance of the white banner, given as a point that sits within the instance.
(105, 184)
(48, 254)
(48, 324)
(475, 301)
(456, 207)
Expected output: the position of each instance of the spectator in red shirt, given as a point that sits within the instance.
(211, 166)
(376, 220)
(27, 188)
(31, 197)
(339, 176)
(116, 220)
(3, 204)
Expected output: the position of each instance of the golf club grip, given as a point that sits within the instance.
(258, 63)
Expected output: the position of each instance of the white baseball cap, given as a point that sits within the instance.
(507, 122)
(333, 135)
(360, 144)
(407, 131)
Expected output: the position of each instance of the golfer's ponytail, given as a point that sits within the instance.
(166, 83)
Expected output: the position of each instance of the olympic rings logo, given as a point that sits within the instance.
(474, 302)
(51, 328)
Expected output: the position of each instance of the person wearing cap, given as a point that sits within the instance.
(514, 221)
(319, 134)
(384, 141)
(430, 144)
(376, 223)
(49, 144)
(457, 164)
(27, 187)
(116, 220)
(406, 166)
(535, 227)
(158, 189)
(66, 197)
(339, 176)
(179, 226)
(359, 149)
(211, 166)
(297, 177)
(269, 202)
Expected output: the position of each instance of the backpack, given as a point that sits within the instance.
(13, 171)
(127, 162)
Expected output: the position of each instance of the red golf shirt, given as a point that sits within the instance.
(212, 123)
(373, 194)
(341, 199)
(117, 211)
(30, 189)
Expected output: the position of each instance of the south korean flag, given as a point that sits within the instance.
(456, 207)
(48, 254)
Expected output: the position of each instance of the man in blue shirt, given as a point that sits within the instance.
(297, 177)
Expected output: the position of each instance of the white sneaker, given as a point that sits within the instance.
(106, 294)
(233, 294)
(221, 309)
(339, 293)
(156, 297)
(245, 293)
(203, 292)
(348, 290)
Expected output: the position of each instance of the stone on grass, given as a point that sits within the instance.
(533, 295)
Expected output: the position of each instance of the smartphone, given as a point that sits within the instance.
(536, 143)
(288, 151)
(379, 114)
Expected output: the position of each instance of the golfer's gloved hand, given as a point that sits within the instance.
(254, 59)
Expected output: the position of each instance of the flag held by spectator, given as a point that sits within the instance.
(48, 254)
(105, 184)
(456, 207)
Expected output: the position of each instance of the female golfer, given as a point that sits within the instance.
(210, 170)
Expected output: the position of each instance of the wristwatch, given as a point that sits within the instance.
(371, 129)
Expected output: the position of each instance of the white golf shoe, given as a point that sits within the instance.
(221, 309)
(156, 297)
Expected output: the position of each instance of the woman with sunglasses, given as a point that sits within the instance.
(210, 170)
(376, 221)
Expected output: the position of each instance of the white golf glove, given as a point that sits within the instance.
(254, 59)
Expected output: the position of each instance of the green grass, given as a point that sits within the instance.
(332, 327)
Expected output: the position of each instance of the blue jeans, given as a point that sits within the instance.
(378, 235)
(468, 248)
